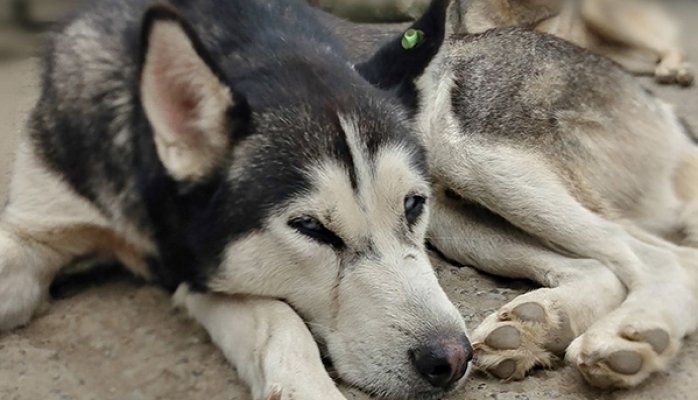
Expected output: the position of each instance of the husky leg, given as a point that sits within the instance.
(644, 27)
(645, 332)
(26, 271)
(45, 226)
(535, 327)
(266, 341)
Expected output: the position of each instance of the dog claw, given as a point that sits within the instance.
(275, 394)
(504, 338)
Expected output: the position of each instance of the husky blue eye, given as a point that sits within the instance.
(414, 207)
(310, 224)
(314, 229)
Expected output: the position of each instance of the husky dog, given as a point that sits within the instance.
(231, 150)
(551, 163)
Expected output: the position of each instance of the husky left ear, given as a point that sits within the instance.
(184, 98)
(397, 64)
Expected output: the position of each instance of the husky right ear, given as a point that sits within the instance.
(184, 97)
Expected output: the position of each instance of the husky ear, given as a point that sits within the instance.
(183, 97)
(398, 63)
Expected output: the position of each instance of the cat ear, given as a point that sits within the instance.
(184, 99)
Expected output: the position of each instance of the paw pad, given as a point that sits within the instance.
(657, 338)
(531, 312)
(504, 338)
(504, 370)
(625, 362)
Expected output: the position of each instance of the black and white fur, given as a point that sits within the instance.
(230, 149)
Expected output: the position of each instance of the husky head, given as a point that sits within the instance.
(301, 181)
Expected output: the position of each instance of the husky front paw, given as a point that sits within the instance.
(607, 359)
(21, 295)
(280, 392)
(530, 331)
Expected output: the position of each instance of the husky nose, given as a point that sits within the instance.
(442, 361)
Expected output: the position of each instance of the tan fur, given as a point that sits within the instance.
(587, 209)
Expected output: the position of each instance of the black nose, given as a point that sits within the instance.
(442, 361)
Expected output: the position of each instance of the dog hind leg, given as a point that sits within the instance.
(266, 341)
(645, 332)
(535, 327)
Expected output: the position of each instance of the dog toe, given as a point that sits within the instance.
(625, 362)
(685, 76)
(658, 339)
(503, 370)
(532, 312)
(504, 338)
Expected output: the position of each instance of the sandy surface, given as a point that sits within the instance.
(122, 340)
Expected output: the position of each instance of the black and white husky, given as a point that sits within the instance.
(230, 148)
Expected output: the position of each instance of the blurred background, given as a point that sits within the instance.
(24, 22)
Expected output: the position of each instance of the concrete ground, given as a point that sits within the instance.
(122, 340)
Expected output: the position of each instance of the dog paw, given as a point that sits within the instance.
(21, 297)
(607, 359)
(670, 73)
(530, 331)
(303, 392)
